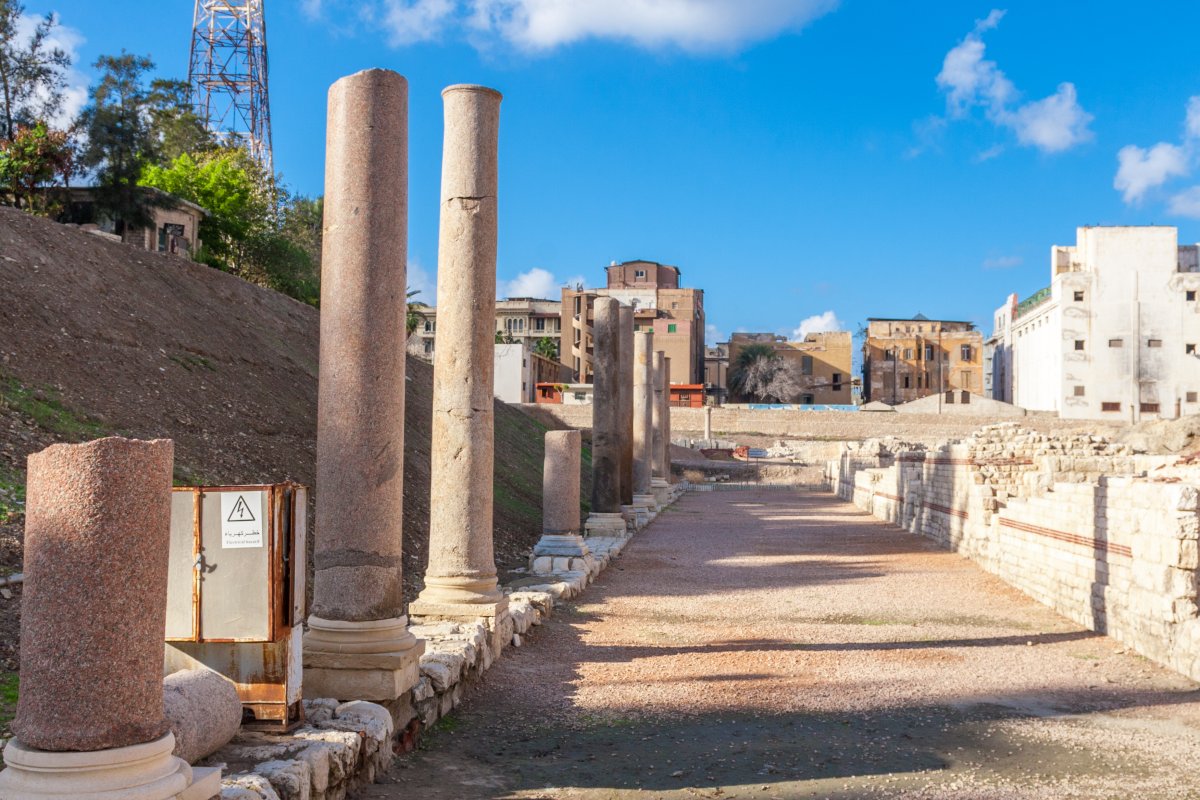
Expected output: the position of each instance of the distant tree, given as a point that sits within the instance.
(34, 159)
(547, 346)
(762, 373)
(303, 221)
(504, 337)
(32, 72)
(120, 137)
(174, 125)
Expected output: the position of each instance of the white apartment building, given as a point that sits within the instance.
(1116, 335)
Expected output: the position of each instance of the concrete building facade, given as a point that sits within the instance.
(519, 370)
(1116, 335)
(716, 373)
(907, 359)
(522, 320)
(823, 362)
(675, 314)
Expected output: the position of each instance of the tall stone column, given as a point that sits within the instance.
(632, 518)
(460, 581)
(666, 419)
(561, 548)
(358, 646)
(643, 420)
(658, 412)
(606, 518)
(90, 718)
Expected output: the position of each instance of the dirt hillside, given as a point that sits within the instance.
(97, 338)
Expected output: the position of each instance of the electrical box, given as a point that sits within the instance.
(236, 592)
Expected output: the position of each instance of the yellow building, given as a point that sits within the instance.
(907, 359)
(822, 363)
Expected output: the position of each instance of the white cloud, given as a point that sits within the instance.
(1002, 262)
(411, 21)
(1186, 203)
(69, 40)
(817, 323)
(712, 335)
(969, 81)
(1054, 124)
(421, 281)
(311, 8)
(536, 282)
(541, 25)
(1140, 170)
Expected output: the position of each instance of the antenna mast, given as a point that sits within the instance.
(228, 75)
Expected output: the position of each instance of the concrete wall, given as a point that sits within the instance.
(1072, 521)
(974, 406)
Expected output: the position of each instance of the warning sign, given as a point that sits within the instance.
(241, 519)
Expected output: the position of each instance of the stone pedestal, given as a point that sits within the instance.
(561, 548)
(460, 581)
(606, 524)
(358, 646)
(90, 720)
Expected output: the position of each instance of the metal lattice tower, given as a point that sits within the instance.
(228, 74)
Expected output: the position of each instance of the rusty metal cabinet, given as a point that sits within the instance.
(235, 592)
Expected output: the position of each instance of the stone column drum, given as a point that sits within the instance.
(358, 646)
(643, 422)
(90, 719)
(561, 548)
(625, 420)
(460, 581)
(606, 518)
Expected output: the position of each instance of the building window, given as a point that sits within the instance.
(966, 379)
(1191, 397)
(1190, 295)
(1110, 406)
(919, 382)
(889, 355)
(1190, 349)
(674, 305)
(1079, 344)
(429, 326)
(950, 398)
(908, 354)
(580, 396)
(539, 324)
(1116, 342)
(1079, 391)
(806, 400)
(964, 397)
(1149, 408)
(929, 352)
(428, 346)
(1078, 296)
(639, 274)
(905, 381)
(837, 381)
(806, 365)
(671, 328)
(1154, 343)
(965, 353)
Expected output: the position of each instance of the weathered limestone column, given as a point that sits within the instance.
(606, 518)
(643, 421)
(90, 720)
(358, 646)
(562, 547)
(666, 420)
(633, 520)
(460, 582)
(708, 437)
(659, 464)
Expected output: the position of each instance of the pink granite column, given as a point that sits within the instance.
(460, 581)
(561, 548)
(90, 717)
(605, 517)
(358, 646)
(643, 419)
(625, 420)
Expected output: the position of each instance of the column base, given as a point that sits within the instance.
(605, 525)
(376, 660)
(561, 553)
(494, 616)
(647, 505)
(138, 772)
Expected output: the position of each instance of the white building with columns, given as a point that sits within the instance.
(1115, 336)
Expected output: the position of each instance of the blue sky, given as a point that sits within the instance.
(798, 159)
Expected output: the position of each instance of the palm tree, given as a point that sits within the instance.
(413, 320)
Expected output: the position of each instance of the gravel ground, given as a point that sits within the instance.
(776, 644)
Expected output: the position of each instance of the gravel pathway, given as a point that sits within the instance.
(777, 644)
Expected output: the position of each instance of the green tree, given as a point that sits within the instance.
(174, 125)
(413, 319)
(120, 140)
(303, 221)
(548, 347)
(35, 158)
(32, 72)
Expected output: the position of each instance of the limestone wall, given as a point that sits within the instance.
(823, 425)
(1104, 537)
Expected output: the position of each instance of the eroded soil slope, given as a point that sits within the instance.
(97, 338)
